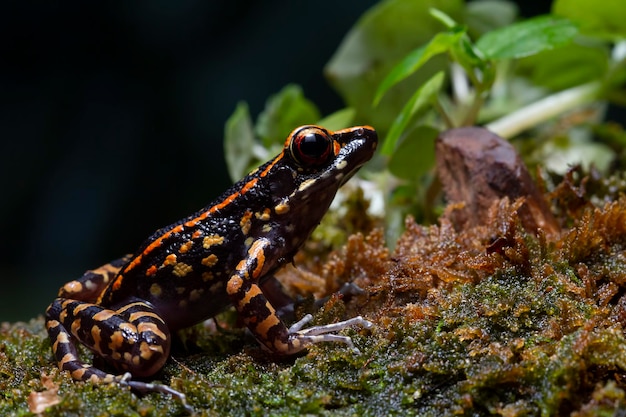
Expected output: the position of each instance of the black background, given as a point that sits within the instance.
(112, 118)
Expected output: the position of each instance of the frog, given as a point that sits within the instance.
(126, 311)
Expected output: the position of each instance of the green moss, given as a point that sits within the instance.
(535, 328)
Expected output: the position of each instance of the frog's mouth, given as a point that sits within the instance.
(357, 147)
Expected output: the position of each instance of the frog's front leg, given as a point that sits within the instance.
(260, 316)
(133, 338)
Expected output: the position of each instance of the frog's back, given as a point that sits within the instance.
(185, 265)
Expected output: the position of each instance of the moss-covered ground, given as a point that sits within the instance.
(489, 320)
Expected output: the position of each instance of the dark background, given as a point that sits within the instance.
(112, 117)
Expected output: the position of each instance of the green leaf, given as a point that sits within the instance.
(415, 155)
(238, 142)
(605, 19)
(283, 112)
(527, 38)
(338, 120)
(565, 67)
(442, 42)
(375, 44)
(446, 20)
(471, 58)
(424, 96)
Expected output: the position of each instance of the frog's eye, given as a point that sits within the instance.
(311, 147)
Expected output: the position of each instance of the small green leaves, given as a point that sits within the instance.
(384, 35)
(567, 66)
(283, 112)
(527, 38)
(442, 42)
(247, 145)
(238, 142)
(415, 155)
(424, 96)
(338, 120)
(411, 68)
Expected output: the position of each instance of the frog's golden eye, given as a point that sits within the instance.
(311, 146)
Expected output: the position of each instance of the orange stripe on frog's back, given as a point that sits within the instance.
(191, 223)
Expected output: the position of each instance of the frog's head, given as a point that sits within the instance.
(321, 161)
(322, 155)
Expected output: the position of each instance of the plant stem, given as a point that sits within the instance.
(444, 115)
(545, 109)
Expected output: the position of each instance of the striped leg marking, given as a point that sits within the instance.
(261, 318)
(132, 339)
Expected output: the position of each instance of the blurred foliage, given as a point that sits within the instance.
(413, 68)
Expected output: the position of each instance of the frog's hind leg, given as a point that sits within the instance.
(133, 339)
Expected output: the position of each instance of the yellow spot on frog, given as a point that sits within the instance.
(72, 287)
(210, 260)
(209, 241)
(265, 216)
(170, 259)
(245, 222)
(96, 334)
(195, 295)
(156, 290)
(281, 208)
(117, 340)
(181, 269)
(184, 248)
(306, 184)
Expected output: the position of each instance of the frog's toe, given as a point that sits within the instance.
(327, 333)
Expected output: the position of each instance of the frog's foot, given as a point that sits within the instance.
(326, 333)
(146, 387)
